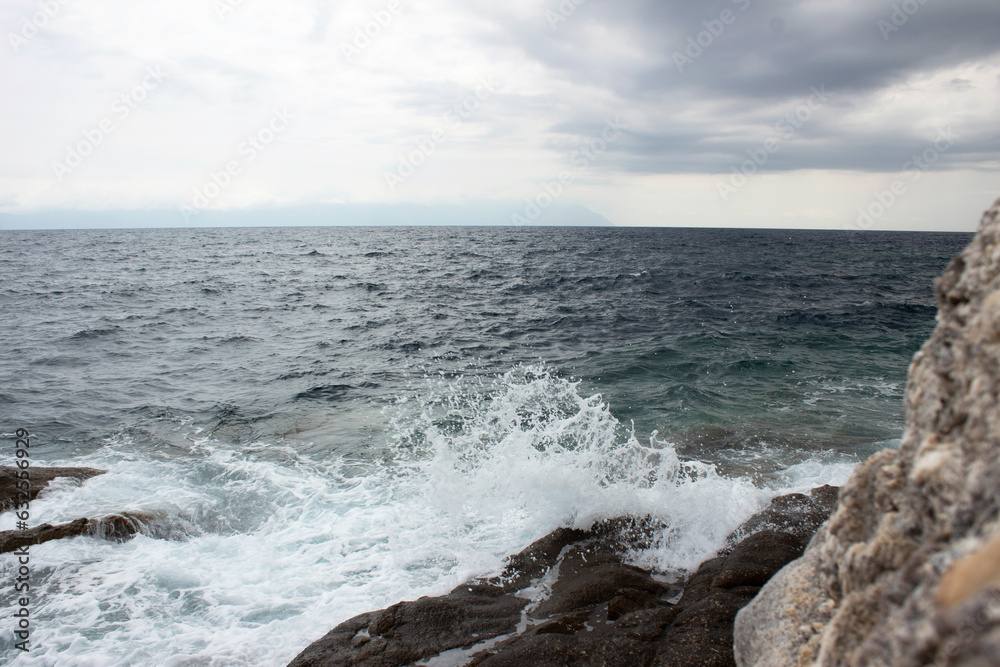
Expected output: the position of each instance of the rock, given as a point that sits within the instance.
(794, 513)
(10, 540)
(689, 655)
(572, 651)
(115, 528)
(584, 582)
(123, 527)
(970, 574)
(537, 558)
(758, 558)
(39, 478)
(410, 631)
(905, 571)
(628, 600)
(598, 611)
(567, 625)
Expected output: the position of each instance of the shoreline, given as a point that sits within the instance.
(570, 599)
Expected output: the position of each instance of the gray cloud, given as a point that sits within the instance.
(844, 48)
(690, 113)
(766, 54)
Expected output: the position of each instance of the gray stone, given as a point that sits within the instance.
(907, 569)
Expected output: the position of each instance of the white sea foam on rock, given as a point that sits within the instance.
(273, 548)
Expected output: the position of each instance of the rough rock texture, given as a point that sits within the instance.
(906, 570)
(114, 528)
(569, 600)
(11, 540)
(39, 479)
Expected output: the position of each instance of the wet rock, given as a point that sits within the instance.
(114, 528)
(410, 631)
(794, 513)
(472, 613)
(647, 624)
(123, 527)
(598, 611)
(628, 600)
(567, 625)
(584, 586)
(572, 651)
(119, 527)
(905, 571)
(39, 478)
(758, 558)
(537, 558)
(10, 540)
(709, 621)
(689, 655)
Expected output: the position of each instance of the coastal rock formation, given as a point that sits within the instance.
(115, 527)
(11, 540)
(569, 600)
(907, 570)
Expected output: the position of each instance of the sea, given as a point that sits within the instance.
(320, 422)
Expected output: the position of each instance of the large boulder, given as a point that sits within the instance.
(907, 570)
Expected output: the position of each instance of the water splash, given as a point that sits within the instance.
(277, 547)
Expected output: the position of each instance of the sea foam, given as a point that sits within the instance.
(255, 551)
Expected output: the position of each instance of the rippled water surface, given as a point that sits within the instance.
(323, 421)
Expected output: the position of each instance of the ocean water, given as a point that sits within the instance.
(321, 422)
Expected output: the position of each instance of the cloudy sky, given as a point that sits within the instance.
(757, 113)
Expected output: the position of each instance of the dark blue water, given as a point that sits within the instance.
(236, 363)
(797, 335)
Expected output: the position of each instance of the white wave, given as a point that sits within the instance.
(278, 548)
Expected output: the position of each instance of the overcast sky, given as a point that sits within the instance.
(757, 113)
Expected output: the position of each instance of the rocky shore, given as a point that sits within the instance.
(907, 570)
(117, 527)
(899, 567)
(569, 599)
